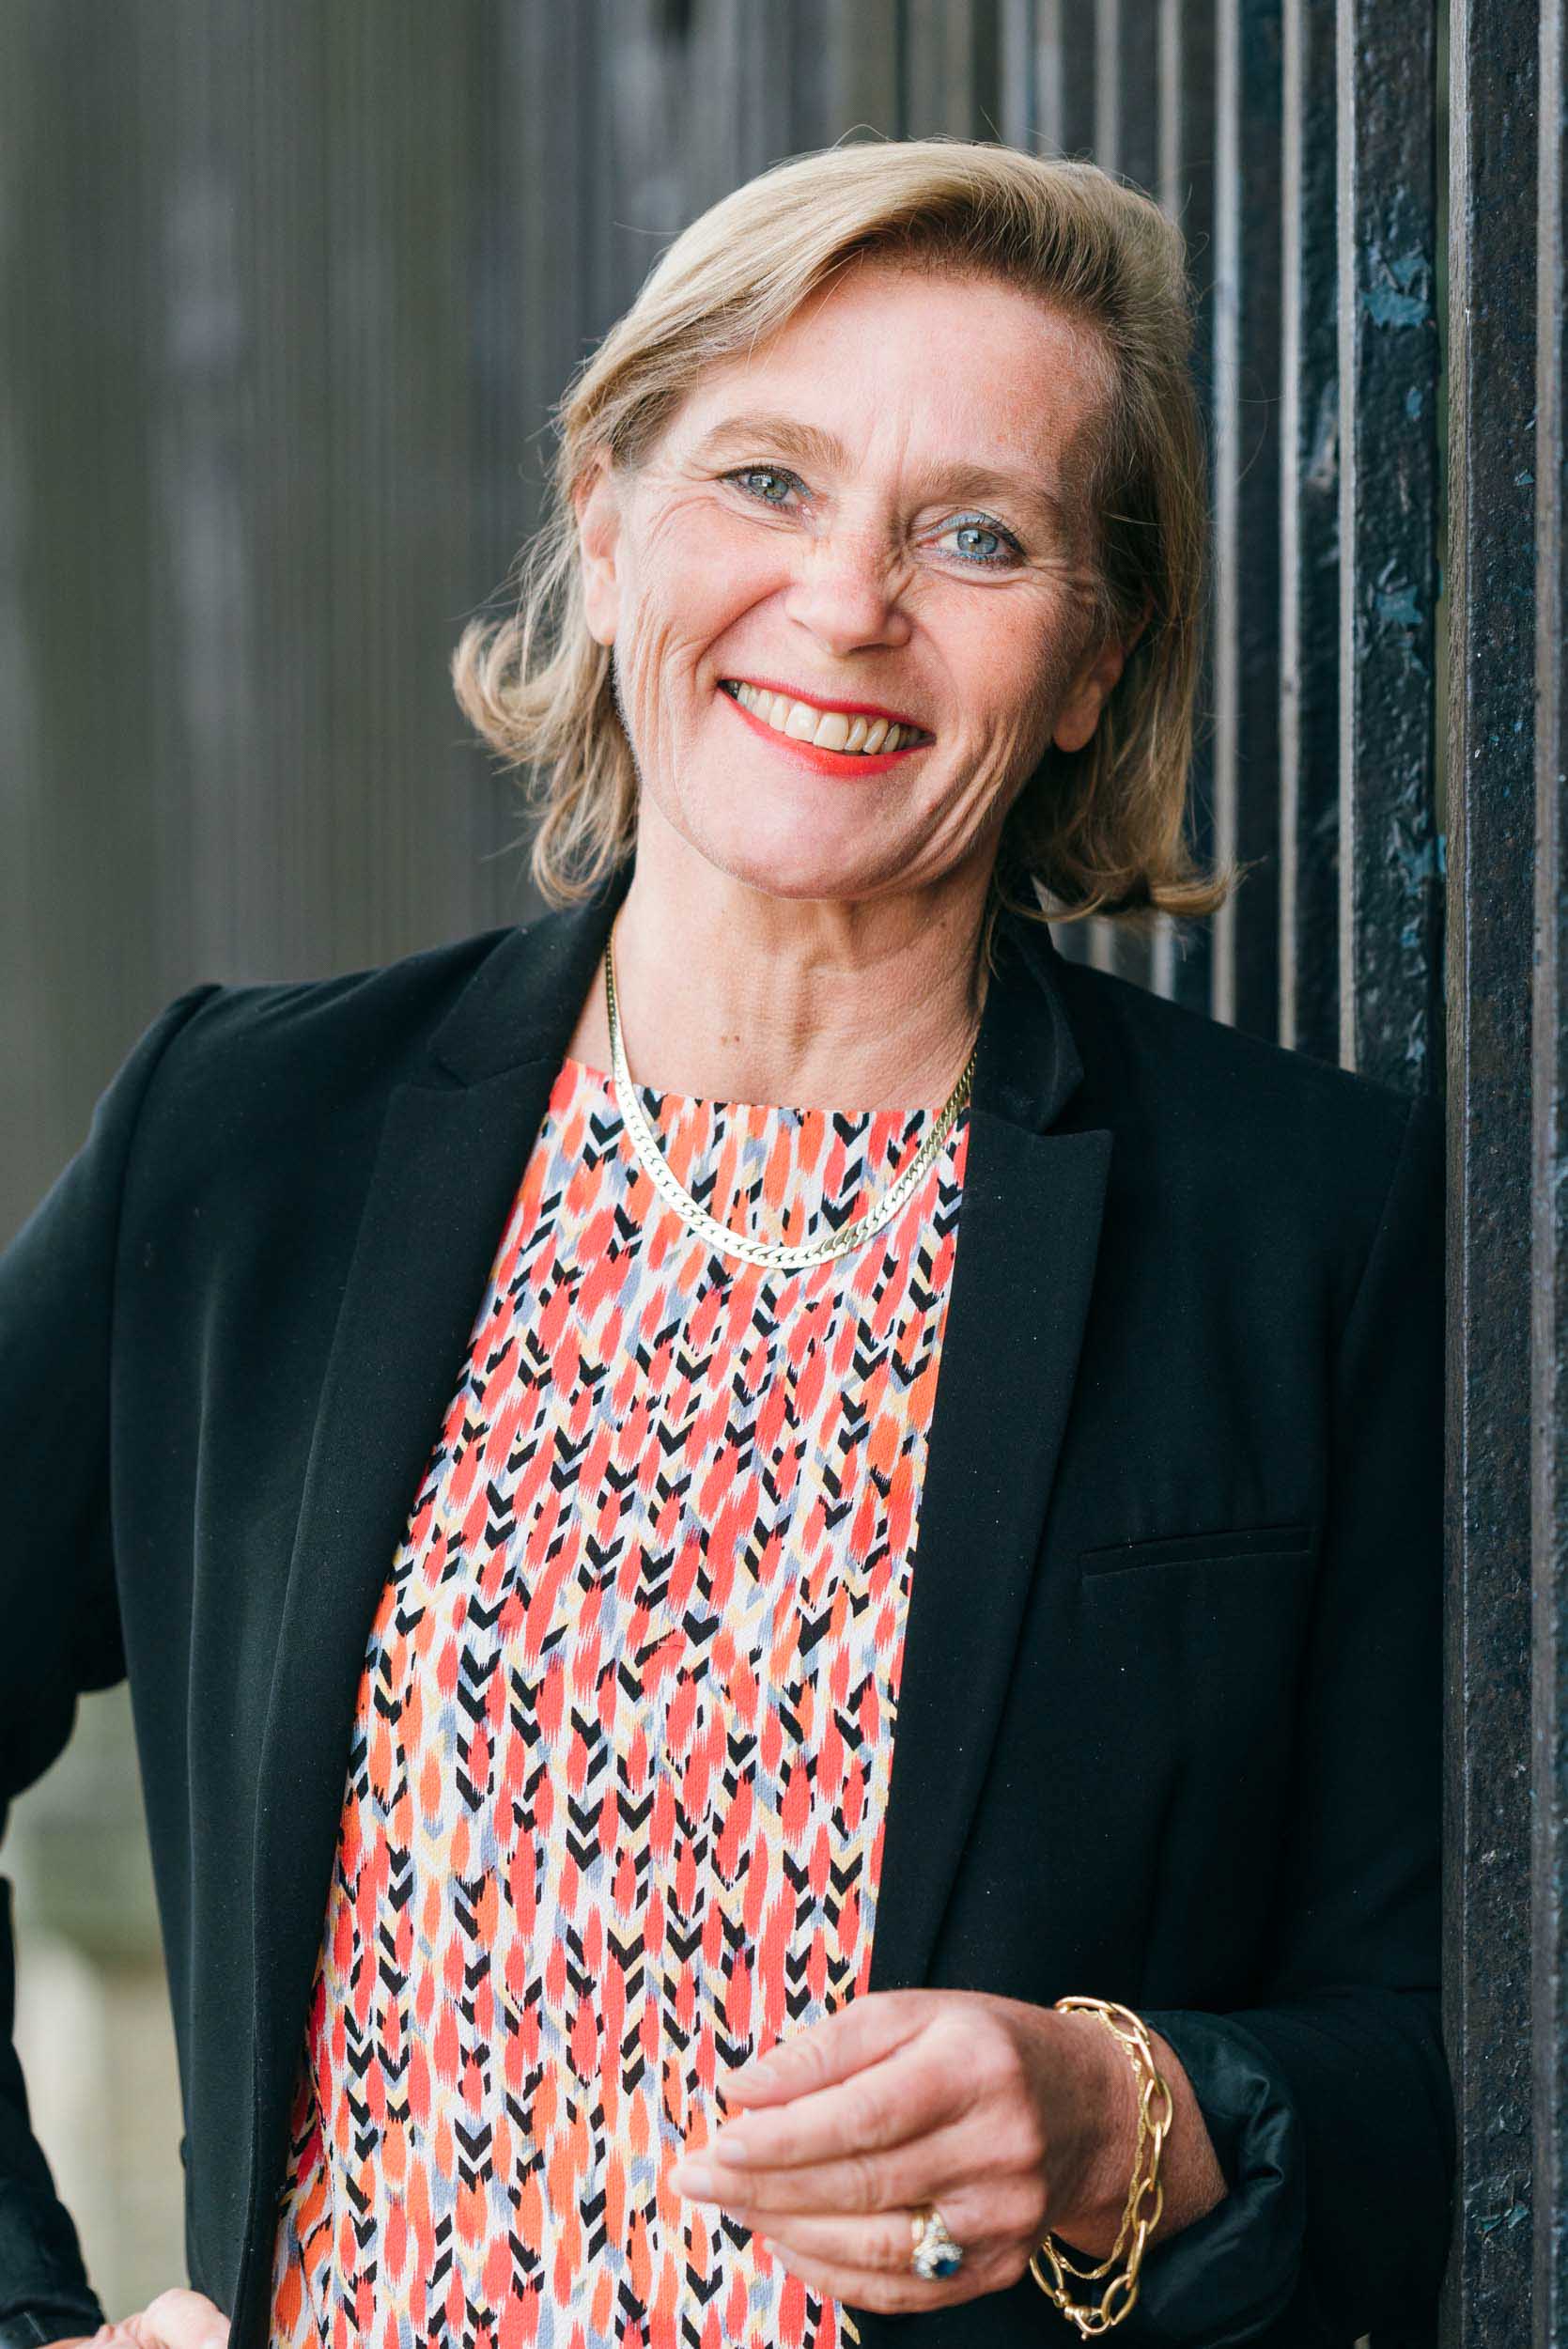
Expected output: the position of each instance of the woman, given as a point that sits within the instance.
(836, 1478)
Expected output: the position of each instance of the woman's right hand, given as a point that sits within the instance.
(175, 2320)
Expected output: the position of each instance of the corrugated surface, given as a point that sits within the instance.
(1492, 399)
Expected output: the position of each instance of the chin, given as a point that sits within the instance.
(797, 864)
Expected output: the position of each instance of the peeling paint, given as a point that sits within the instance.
(1400, 293)
(1413, 402)
(1397, 607)
(1387, 308)
(1418, 864)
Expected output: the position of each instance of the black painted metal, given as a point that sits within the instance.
(1491, 596)
(1309, 542)
(1126, 90)
(1018, 64)
(1066, 63)
(952, 59)
(1247, 505)
(1183, 963)
(1066, 42)
(1127, 142)
(1391, 987)
(1549, 1286)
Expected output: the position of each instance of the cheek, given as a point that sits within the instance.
(1017, 665)
(699, 573)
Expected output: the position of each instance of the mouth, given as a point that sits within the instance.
(846, 735)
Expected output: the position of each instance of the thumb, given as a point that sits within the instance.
(175, 2320)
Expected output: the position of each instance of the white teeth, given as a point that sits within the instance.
(828, 729)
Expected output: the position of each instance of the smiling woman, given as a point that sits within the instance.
(782, 355)
(780, 1554)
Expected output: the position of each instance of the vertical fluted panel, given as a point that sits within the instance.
(1493, 458)
(1182, 957)
(1066, 46)
(1127, 142)
(1067, 43)
(1309, 542)
(1391, 993)
(94, 919)
(1549, 1745)
(952, 61)
(1247, 245)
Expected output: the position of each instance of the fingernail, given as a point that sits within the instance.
(731, 2143)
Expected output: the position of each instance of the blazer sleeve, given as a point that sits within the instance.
(1329, 2102)
(57, 1596)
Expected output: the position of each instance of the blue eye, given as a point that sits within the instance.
(745, 475)
(1004, 550)
(1006, 546)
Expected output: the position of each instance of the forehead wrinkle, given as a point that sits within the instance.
(814, 446)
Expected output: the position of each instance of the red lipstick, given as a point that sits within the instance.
(842, 764)
(815, 701)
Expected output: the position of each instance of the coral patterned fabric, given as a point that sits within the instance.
(621, 1755)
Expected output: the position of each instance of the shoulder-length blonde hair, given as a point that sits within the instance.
(1102, 829)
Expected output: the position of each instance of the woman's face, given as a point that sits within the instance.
(884, 509)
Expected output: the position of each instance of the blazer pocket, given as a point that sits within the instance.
(1239, 1545)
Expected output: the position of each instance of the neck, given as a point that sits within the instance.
(726, 991)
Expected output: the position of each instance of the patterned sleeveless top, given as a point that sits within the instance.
(620, 1762)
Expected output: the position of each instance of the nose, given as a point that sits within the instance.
(848, 591)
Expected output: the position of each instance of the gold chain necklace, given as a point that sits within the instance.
(775, 1258)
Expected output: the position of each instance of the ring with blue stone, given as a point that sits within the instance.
(935, 2252)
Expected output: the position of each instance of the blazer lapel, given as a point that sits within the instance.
(1028, 1234)
(452, 1153)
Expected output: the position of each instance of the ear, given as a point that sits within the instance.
(598, 531)
(1094, 685)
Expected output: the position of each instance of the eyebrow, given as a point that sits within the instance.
(813, 446)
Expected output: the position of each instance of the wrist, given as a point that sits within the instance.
(1089, 2220)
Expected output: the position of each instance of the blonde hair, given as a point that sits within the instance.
(1102, 829)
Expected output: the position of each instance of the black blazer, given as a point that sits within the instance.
(1169, 1729)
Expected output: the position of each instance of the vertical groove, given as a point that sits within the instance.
(1389, 892)
(1182, 957)
(1246, 507)
(1309, 542)
(1491, 673)
(1549, 1282)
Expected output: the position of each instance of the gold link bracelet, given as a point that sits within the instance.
(1145, 2195)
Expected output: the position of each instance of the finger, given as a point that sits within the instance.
(988, 2235)
(862, 2032)
(908, 2095)
(854, 2185)
(883, 2295)
(182, 2320)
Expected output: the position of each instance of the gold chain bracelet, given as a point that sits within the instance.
(1145, 2195)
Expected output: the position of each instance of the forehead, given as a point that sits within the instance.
(918, 367)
